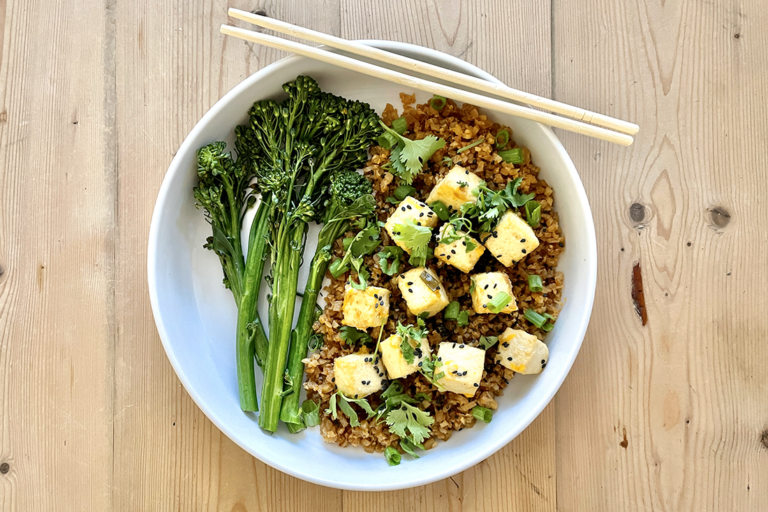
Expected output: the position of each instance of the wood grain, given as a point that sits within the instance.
(671, 416)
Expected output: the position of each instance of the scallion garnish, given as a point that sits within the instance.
(387, 140)
(404, 191)
(512, 156)
(542, 321)
(452, 311)
(441, 210)
(469, 146)
(337, 268)
(499, 302)
(310, 413)
(534, 283)
(438, 102)
(400, 125)
(487, 342)
(463, 319)
(533, 213)
(482, 413)
(502, 139)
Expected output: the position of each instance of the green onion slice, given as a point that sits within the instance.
(533, 213)
(438, 102)
(452, 311)
(310, 411)
(482, 413)
(463, 319)
(392, 455)
(336, 268)
(543, 322)
(441, 210)
(400, 125)
(499, 302)
(502, 139)
(387, 140)
(404, 191)
(534, 283)
(512, 156)
(469, 146)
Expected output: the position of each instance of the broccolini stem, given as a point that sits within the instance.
(247, 312)
(286, 280)
(289, 412)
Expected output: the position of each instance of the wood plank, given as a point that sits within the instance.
(670, 416)
(172, 66)
(57, 189)
(479, 33)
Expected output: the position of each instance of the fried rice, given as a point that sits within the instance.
(459, 126)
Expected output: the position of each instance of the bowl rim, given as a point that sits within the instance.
(492, 446)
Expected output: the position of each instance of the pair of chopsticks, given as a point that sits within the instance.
(560, 115)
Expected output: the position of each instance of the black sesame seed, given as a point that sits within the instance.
(505, 344)
(375, 305)
(439, 358)
(485, 305)
(430, 214)
(402, 208)
(448, 257)
(485, 287)
(410, 283)
(524, 251)
(464, 243)
(453, 251)
(509, 359)
(461, 346)
(522, 240)
(490, 296)
(418, 223)
(498, 255)
(495, 285)
(420, 364)
(543, 361)
(477, 385)
(543, 366)
(466, 172)
(410, 290)
(409, 207)
(421, 214)
(355, 395)
(495, 234)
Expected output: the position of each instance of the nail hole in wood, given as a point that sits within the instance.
(624, 443)
(688, 244)
(259, 12)
(736, 36)
(5, 468)
(764, 438)
(719, 217)
(2, 271)
(637, 212)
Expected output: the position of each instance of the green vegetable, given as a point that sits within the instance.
(463, 319)
(533, 213)
(446, 161)
(392, 455)
(310, 413)
(487, 342)
(430, 368)
(542, 321)
(387, 140)
(399, 125)
(491, 205)
(297, 147)
(534, 283)
(438, 102)
(344, 404)
(411, 337)
(404, 191)
(483, 414)
(441, 210)
(472, 285)
(351, 336)
(499, 302)
(409, 421)
(469, 146)
(223, 192)
(410, 446)
(502, 139)
(393, 253)
(416, 238)
(408, 157)
(452, 311)
(452, 234)
(393, 396)
(512, 156)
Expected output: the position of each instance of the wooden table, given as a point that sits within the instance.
(96, 97)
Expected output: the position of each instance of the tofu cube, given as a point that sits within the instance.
(522, 352)
(486, 287)
(419, 296)
(410, 208)
(512, 239)
(358, 375)
(365, 308)
(392, 357)
(462, 366)
(455, 253)
(456, 188)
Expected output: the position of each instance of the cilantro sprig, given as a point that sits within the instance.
(390, 259)
(352, 336)
(416, 238)
(409, 422)
(491, 204)
(340, 402)
(411, 339)
(407, 157)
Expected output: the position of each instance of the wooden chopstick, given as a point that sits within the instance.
(413, 65)
(430, 87)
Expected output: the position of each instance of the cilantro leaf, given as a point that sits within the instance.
(366, 241)
(390, 252)
(487, 342)
(409, 421)
(416, 238)
(430, 368)
(344, 404)
(491, 205)
(310, 413)
(412, 338)
(408, 157)
(350, 335)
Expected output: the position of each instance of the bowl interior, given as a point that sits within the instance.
(196, 315)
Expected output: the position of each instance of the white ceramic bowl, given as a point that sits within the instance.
(195, 315)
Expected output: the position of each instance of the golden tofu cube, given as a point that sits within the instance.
(365, 308)
(358, 375)
(456, 188)
(512, 239)
(455, 253)
(486, 287)
(392, 357)
(419, 296)
(522, 352)
(410, 208)
(462, 367)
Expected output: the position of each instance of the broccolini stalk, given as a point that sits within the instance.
(350, 198)
(303, 141)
